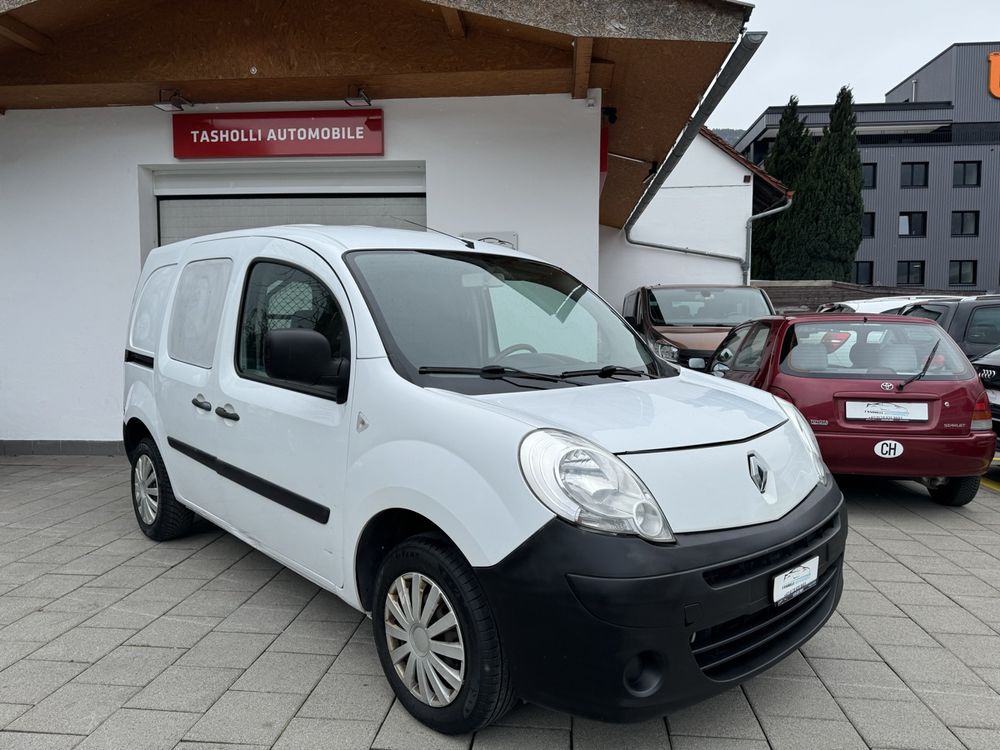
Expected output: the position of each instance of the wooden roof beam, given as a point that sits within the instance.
(583, 48)
(22, 34)
(453, 21)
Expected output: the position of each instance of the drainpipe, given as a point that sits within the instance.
(738, 59)
(771, 212)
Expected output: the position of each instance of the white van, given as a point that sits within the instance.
(477, 450)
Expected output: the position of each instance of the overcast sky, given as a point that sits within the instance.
(813, 48)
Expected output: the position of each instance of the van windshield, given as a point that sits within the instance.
(706, 306)
(445, 310)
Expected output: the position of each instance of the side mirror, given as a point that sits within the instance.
(303, 356)
(719, 370)
(697, 363)
(631, 320)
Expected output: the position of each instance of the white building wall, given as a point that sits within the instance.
(703, 205)
(72, 193)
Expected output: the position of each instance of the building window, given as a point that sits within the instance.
(913, 174)
(962, 272)
(913, 224)
(967, 174)
(864, 270)
(868, 172)
(910, 273)
(964, 223)
(868, 224)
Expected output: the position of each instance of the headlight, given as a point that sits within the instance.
(589, 486)
(665, 351)
(803, 428)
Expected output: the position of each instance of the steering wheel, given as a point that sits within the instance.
(507, 351)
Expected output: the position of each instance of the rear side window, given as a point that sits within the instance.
(279, 296)
(147, 318)
(984, 327)
(194, 322)
(924, 311)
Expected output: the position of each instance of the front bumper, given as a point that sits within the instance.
(923, 455)
(619, 629)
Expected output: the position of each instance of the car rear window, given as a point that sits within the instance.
(870, 350)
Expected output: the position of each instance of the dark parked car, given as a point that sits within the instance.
(685, 321)
(974, 322)
(885, 395)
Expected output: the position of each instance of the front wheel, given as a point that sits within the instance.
(159, 514)
(955, 491)
(437, 640)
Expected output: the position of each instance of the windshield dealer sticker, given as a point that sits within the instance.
(888, 449)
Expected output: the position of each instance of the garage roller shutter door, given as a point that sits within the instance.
(181, 218)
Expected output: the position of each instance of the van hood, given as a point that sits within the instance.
(693, 338)
(684, 411)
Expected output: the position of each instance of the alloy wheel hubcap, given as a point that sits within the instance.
(147, 489)
(424, 639)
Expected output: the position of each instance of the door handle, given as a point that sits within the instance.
(201, 403)
(226, 414)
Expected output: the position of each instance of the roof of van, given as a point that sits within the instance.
(362, 238)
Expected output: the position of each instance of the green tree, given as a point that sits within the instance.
(787, 160)
(819, 236)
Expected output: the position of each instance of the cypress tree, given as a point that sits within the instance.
(787, 160)
(819, 236)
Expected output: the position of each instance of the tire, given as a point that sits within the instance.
(164, 518)
(956, 491)
(484, 692)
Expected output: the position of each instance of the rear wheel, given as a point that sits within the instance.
(955, 491)
(437, 640)
(159, 514)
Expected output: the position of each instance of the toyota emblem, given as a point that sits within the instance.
(887, 386)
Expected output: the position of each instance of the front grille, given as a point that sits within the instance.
(736, 647)
(725, 575)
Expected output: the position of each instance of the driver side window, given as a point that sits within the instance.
(727, 350)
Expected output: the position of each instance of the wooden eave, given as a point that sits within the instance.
(126, 52)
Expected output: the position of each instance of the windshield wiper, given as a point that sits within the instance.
(923, 371)
(490, 372)
(608, 371)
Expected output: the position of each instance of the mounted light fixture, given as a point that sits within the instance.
(357, 97)
(172, 101)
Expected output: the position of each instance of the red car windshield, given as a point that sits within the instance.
(872, 350)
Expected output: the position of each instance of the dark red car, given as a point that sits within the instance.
(885, 395)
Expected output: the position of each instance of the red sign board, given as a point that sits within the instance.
(229, 135)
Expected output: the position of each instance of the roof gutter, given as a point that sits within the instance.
(738, 59)
(745, 265)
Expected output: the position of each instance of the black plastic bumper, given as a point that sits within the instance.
(618, 629)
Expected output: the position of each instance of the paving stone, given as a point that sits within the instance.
(41, 626)
(314, 637)
(330, 608)
(950, 619)
(126, 577)
(725, 715)
(861, 679)
(284, 673)
(130, 665)
(804, 697)
(161, 556)
(528, 715)
(245, 581)
(964, 710)
(36, 741)
(199, 568)
(358, 657)
(30, 681)
(82, 644)
(521, 738)
(884, 571)
(88, 600)
(973, 650)
(793, 665)
(979, 739)
(93, 564)
(327, 734)
(192, 689)
(838, 643)
(73, 709)
(715, 743)
(211, 603)
(128, 613)
(163, 589)
(598, 735)
(867, 603)
(354, 697)
(230, 650)
(245, 718)
(10, 711)
(990, 676)
(400, 731)
(964, 585)
(912, 593)
(12, 651)
(216, 746)
(178, 631)
(987, 610)
(936, 564)
(916, 664)
(13, 608)
(793, 733)
(898, 631)
(130, 729)
(899, 724)
(250, 619)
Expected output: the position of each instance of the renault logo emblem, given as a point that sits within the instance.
(757, 472)
(887, 386)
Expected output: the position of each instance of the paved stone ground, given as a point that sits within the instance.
(108, 640)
